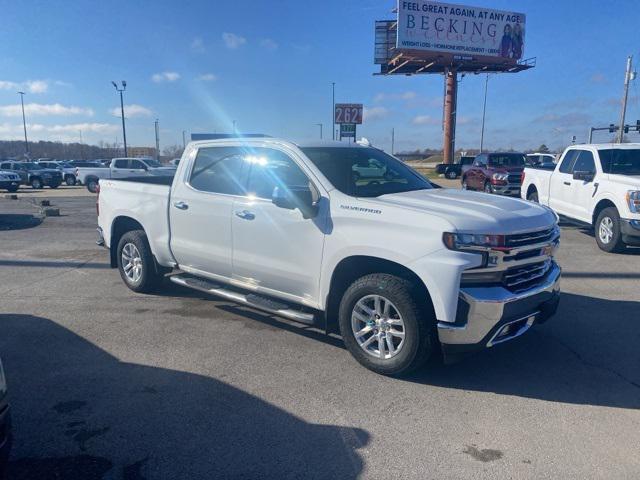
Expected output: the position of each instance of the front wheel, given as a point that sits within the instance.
(488, 188)
(607, 230)
(36, 183)
(384, 327)
(70, 180)
(135, 262)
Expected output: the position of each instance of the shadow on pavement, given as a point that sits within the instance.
(586, 354)
(80, 413)
(18, 221)
(52, 264)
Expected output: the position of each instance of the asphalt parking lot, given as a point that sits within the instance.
(106, 383)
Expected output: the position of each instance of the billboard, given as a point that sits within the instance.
(429, 26)
(348, 113)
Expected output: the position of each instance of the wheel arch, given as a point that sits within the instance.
(601, 205)
(353, 267)
(531, 189)
(119, 227)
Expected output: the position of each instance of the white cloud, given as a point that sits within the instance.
(165, 77)
(9, 129)
(233, 41)
(395, 96)
(375, 113)
(39, 109)
(426, 120)
(131, 111)
(207, 77)
(197, 45)
(269, 44)
(31, 86)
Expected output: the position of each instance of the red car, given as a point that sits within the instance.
(495, 173)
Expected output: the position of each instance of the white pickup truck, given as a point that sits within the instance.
(595, 184)
(400, 267)
(121, 168)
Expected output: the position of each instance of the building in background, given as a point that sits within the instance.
(141, 152)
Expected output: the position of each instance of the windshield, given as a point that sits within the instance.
(31, 166)
(507, 160)
(365, 172)
(620, 161)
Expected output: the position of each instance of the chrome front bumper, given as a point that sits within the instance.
(485, 312)
(509, 189)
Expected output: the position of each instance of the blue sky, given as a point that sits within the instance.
(268, 64)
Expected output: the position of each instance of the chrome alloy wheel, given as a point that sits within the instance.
(378, 326)
(605, 231)
(131, 262)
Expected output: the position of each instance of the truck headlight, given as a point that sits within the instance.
(472, 241)
(633, 200)
(3, 382)
(501, 177)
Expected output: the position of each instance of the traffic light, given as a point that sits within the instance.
(612, 128)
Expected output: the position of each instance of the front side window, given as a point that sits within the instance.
(270, 169)
(121, 163)
(365, 171)
(220, 170)
(567, 162)
(137, 165)
(620, 161)
(584, 162)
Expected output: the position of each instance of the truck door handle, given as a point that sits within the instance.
(181, 205)
(245, 215)
(567, 183)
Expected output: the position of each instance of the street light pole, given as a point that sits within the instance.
(157, 141)
(184, 143)
(628, 76)
(333, 109)
(484, 109)
(24, 124)
(320, 125)
(124, 131)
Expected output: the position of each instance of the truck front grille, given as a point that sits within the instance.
(530, 238)
(514, 178)
(525, 276)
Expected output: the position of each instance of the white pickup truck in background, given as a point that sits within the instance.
(121, 168)
(399, 267)
(595, 184)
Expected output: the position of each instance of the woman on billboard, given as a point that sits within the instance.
(517, 41)
(506, 43)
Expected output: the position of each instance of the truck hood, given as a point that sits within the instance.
(474, 212)
(632, 181)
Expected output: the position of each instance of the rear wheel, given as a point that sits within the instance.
(533, 196)
(92, 185)
(36, 183)
(70, 180)
(384, 327)
(607, 230)
(135, 262)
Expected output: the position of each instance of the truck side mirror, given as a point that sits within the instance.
(301, 197)
(583, 175)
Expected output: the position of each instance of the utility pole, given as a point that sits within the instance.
(450, 102)
(157, 141)
(81, 147)
(320, 125)
(124, 131)
(184, 143)
(333, 109)
(24, 124)
(393, 139)
(628, 76)
(484, 109)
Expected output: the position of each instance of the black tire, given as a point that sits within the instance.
(419, 326)
(92, 185)
(70, 180)
(36, 183)
(149, 280)
(451, 175)
(487, 187)
(533, 197)
(615, 244)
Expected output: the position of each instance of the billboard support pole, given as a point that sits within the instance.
(450, 104)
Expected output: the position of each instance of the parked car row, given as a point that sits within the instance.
(121, 168)
(31, 173)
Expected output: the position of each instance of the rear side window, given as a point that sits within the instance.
(219, 170)
(584, 162)
(567, 162)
